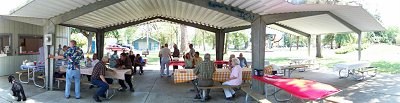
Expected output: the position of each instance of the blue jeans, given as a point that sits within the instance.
(76, 76)
(165, 64)
(102, 85)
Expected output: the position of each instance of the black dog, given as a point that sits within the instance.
(17, 88)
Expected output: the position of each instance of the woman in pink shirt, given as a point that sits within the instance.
(234, 79)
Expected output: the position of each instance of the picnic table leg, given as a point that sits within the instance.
(33, 79)
(19, 76)
(266, 90)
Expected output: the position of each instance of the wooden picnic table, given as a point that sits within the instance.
(220, 75)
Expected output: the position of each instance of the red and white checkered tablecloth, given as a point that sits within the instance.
(221, 75)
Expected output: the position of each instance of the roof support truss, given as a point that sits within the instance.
(294, 30)
(348, 25)
(226, 30)
(81, 27)
(225, 9)
(273, 18)
(83, 10)
(211, 29)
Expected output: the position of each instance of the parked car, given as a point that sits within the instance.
(117, 48)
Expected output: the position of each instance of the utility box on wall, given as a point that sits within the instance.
(48, 38)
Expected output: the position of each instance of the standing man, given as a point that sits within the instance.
(191, 51)
(204, 71)
(243, 61)
(175, 54)
(73, 55)
(98, 78)
(165, 55)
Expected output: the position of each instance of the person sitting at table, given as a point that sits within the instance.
(125, 63)
(204, 71)
(132, 57)
(113, 60)
(98, 78)
(234, 79)
(230, 65)
(197, 59)
(188, 61)
(93, 62)
(138, 62)
(243, 61)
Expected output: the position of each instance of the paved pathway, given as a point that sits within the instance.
(150, 88)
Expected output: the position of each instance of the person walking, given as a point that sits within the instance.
(165, 55)
(73, 55)
(175, 54)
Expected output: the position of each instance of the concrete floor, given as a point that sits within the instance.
(150, 88)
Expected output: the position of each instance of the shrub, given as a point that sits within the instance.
(350, 48)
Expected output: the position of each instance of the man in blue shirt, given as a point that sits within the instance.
(73, 55)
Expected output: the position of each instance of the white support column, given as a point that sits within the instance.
(309, 47)
(49, 28)
(258, 50)
(359, 46)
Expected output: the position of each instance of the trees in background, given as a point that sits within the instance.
(81, 42)
(238, 40)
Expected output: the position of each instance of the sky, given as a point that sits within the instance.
(388, 9)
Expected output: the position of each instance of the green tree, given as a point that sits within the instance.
(329, 39)
(344, 39)
(238, 40)
(87, 34)
(130, 34)
(80, 42)
(113, 34)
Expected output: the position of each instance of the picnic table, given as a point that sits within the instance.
(31, 69)
(116, 74)
(300, 88)
(220, 75)
(288, 69)
(177, 63)
(356, 69)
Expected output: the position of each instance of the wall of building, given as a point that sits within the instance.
(11, 64)
(16, 28)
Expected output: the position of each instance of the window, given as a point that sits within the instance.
(29, 45)
(5, 43)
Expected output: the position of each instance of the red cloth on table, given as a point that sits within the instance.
(219, 62)
(303, 89)
(177, 63)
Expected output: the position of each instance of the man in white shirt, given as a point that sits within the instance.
(165, 55)
(192, 52)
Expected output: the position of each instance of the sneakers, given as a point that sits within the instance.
(103, 96)
(132, 90)
(122, 89)
(197, 97)
(96, 98)
(229, 98)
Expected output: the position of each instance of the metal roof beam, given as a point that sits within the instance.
(199, 26)
(120, 26)
(83, 10)
(225, 9)
(273, 18)
(81, 27)
(294, 30)
(226, 30)
(348, 25)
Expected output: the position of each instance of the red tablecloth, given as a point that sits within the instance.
(303, 89)
(177, 63)
(219, 62)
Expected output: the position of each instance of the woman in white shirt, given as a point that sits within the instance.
(234, 79)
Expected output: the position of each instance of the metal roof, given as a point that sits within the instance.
(136, 10)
